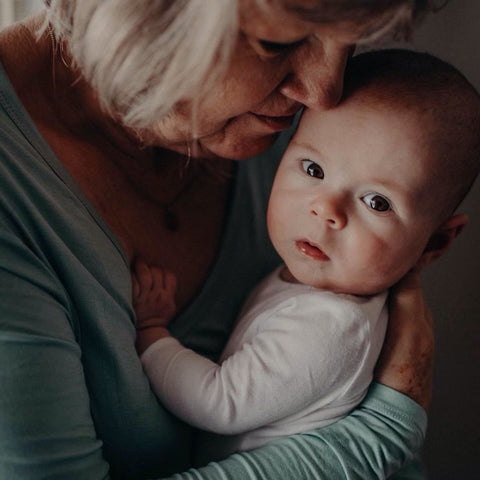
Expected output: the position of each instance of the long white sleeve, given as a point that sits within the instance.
(302, 356)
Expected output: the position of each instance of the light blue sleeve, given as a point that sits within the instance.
(384, 434)
(46, 428)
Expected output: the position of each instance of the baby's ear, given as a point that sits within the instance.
(442, 239)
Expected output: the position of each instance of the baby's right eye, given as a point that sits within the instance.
(377, 202)
(313, 169)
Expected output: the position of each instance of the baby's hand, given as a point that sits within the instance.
(154, 302)
(153, 293)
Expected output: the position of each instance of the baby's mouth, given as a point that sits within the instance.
(311, 250)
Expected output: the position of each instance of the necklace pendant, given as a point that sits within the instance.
(170, 220)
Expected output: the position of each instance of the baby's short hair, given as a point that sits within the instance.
(432, 88)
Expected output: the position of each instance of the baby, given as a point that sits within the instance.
(364, 193)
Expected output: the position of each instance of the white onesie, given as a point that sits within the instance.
(298, 359)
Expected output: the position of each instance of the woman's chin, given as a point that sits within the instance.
(238, 149)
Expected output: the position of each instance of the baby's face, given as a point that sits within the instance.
(351, 208)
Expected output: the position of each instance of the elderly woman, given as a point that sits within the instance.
(120, 121)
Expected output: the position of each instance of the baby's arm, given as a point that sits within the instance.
(248, 389)
(154, 302)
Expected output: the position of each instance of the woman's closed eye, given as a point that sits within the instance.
(377, 202)
(312, 169)
(276, 48)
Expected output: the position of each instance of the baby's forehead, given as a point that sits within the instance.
(432, 121)
(392, 99)
(417, 161)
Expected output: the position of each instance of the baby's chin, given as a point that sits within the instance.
(314, 280)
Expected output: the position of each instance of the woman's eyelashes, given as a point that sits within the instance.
(277, 48)
(377, 202)
(312, 169)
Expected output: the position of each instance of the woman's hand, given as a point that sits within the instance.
(153, 294)
(406, 361)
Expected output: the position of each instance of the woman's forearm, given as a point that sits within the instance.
(406, 361)
(379, 438)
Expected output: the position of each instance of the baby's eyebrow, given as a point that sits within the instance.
(306, 146)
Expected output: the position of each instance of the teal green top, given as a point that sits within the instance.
(74, 402)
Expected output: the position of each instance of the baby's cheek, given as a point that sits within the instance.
(279, 214)
(380, 265)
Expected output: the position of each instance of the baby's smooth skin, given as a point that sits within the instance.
(154, 302)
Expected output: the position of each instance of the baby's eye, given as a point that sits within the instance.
(377, 202)
(312, 169)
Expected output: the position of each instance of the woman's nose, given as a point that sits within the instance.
(329, 210)
(316, 75)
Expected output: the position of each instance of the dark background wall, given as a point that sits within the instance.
(452, 285)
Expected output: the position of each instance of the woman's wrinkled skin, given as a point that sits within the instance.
(264, 85)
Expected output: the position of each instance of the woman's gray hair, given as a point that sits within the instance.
(144, 56)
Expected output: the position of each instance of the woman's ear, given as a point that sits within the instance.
(442, 239)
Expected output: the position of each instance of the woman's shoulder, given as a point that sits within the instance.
(20, 53)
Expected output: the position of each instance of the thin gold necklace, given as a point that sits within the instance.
(170, 217)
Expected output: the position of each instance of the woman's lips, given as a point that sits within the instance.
(311, 250)
(276, 123)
